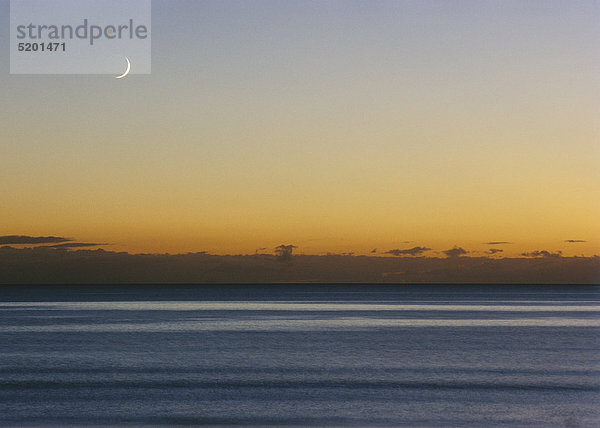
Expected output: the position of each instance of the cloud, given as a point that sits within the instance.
(494, 251)
(284, 252)
(455, 252)
(415, 251)
(542, 253)
(21, 239)
(497, 243)
(574, 240)
(72, 245)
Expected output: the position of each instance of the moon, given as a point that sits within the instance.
(126, 71)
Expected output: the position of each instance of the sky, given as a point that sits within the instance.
(335, 126)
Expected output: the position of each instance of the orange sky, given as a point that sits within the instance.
(439, 127)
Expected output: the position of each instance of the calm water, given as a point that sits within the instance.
(301, 355)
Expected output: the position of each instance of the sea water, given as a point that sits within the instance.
(300, 355)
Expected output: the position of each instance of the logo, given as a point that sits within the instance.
(80, 37)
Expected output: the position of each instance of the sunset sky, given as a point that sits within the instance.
(336, 126)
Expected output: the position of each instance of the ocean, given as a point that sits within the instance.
(303, 354)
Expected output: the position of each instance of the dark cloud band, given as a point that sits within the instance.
(22, 239)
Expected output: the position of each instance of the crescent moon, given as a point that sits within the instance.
(126, 71)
